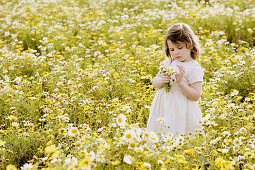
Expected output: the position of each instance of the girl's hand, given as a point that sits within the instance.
(180, 74)
(165, 78)
(160, 80)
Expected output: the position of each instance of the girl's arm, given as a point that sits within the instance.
(160, 79)
(192, 91)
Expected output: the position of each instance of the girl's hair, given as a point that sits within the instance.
(181, 32)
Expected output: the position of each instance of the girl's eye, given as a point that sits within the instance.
(180, 48)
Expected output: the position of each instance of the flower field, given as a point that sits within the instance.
(75, 78)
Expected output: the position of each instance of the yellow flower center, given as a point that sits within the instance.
(132, 145)
(128, 136)
(120, 120)
(74, 131)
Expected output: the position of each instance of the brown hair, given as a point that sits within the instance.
(181, 32)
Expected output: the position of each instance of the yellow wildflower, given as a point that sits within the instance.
(228, 164)
(15, 124)
(50, 149)
(117, 162)
(12, 118)
(116, 75)
(189, 152)
(219, 161)
(248, 154)
(85, 162)
(167, 161)
(213, 153)
(11, 167)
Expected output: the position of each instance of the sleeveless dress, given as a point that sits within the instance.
(179, 114)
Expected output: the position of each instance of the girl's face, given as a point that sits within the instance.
(179, 51)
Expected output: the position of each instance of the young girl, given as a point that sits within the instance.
(177, 112)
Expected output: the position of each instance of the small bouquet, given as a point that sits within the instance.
(171, 71)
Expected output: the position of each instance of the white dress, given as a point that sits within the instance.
(180, 114)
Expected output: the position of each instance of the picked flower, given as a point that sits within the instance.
(171, 71)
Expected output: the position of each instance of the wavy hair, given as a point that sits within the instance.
(181, 32)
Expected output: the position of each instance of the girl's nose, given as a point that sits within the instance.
(176, 51)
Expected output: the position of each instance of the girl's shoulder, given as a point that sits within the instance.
(195, 68)
(193, 65)
(195, 72)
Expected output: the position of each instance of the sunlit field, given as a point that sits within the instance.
(76, 89)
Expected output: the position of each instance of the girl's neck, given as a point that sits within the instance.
(185, 61)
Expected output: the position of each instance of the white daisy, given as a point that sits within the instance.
(161, 120)
(73, 131)
(128, 135)
(128, 159)
(147, 165)
(91, 155)
(27, 166)
(242, 130)
(100, 158)
(153, 137)
(225, 150)
(121, 120)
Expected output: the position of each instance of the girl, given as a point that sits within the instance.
(177, 112)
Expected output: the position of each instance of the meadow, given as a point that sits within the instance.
(75, 78)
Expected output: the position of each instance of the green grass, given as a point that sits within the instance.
(83, 63)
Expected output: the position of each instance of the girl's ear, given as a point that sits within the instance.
(192, 52)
